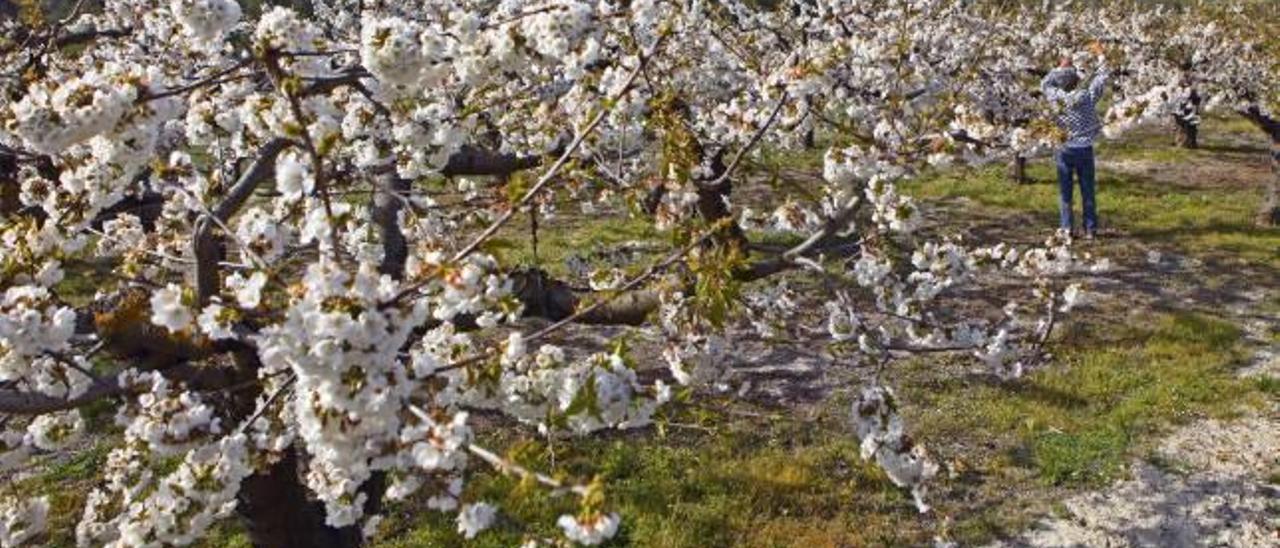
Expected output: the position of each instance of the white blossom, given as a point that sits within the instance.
(168, 310)
(879, 427)
(589, 531)
(55, 431)
(206, 20)
(21, 519)
(475, 518)
(1072, 297)
(213, 322)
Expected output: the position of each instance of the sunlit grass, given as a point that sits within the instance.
(1214, 221)
(745, 485)
(1114, 387)
(1082, 420)
(794, 483)
(562, 238)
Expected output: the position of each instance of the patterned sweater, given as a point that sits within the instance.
(1078, 113)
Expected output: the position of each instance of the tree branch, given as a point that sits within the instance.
(766, 268)
(90, 35)
(388, 200)
(18, 402)
(560, 163)
(475, 161)
(205, 243)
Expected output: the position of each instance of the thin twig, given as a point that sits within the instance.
(508, 467)
(212, 79)
(288, 385)
(755, 139)
(560, 163)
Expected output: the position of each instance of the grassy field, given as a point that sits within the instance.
(1154, 350)
(730, 473)
(1200, 201)
(797, 480)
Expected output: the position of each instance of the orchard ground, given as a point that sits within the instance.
(1180, 338)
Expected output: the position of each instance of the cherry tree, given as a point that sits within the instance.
(1008, 112)
(1246, 79)
(1178, 64)
(1170, 65)
(296, 206)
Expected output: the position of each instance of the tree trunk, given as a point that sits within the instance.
(475, 161)
(547, 297)
(278, 514)
(1269, 215)
(1186, 133)
(146, 208)
(712, 205)
(388, 200)
(1018, 170)
(9, 190)
(810, 139)
(1186, 123)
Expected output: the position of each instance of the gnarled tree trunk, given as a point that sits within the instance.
(1186, 133)
(1018, 170)
(1186, 123)
(1269, 214)
(388, 200)
(278, 513)
(274, 502)
(9, 202)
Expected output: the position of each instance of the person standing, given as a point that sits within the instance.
(1077, 115)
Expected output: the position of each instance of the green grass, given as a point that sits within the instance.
(1269, 386)
(82, 281)
(792, 482)
(1216, 222)
(67, 485)
(1113, 389)
(779, 484)
(1212, 218)
(569, 237)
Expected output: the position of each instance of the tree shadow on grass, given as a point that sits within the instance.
(1038, 181)
(1244, 229)
(1045, 395)
(1237, 148)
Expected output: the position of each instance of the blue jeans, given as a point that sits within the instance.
(1077, 162)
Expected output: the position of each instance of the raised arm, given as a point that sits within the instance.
(1051, 92)
(1098, 86)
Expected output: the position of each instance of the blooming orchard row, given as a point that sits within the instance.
(265, 188)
